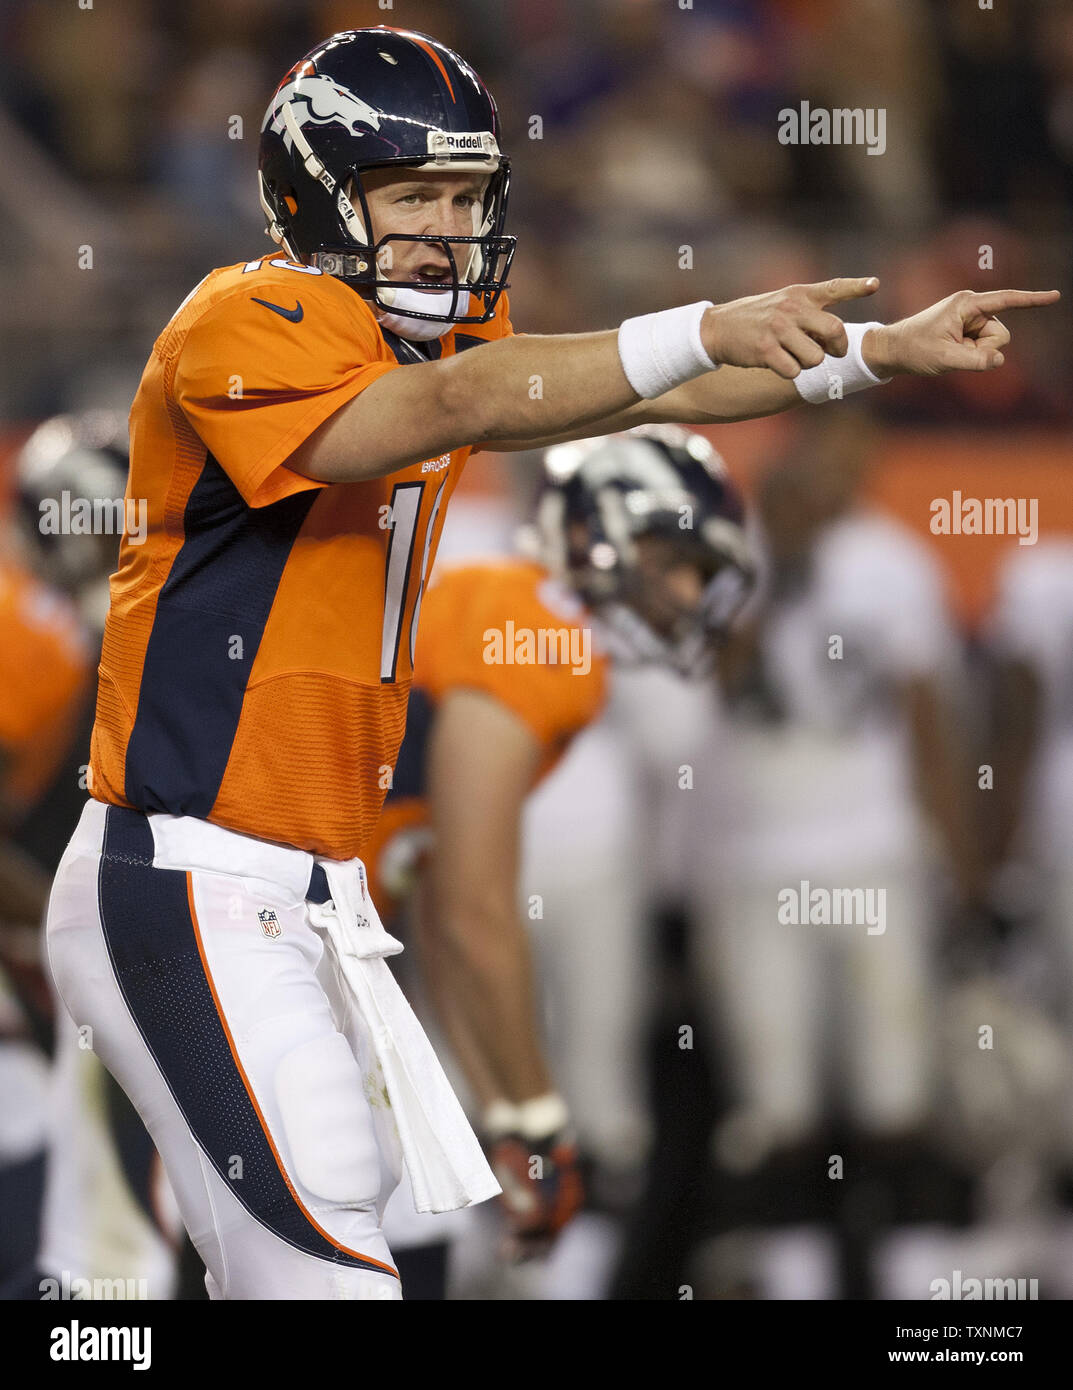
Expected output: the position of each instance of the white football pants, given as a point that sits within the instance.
(222, 1013)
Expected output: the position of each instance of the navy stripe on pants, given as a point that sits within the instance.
(154, 952)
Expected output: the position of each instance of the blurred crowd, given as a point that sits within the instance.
(832, 1123)
(637, 128)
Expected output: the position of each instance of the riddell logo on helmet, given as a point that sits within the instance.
(446, 140)
(326, 103)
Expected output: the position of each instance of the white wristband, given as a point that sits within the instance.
(836, 377)
(534, 1119)
(661, 351)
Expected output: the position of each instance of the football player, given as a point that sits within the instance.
(1030, 886)
(48, 655)
(108, 1211)
(46, 674)
(639, 551)
(845, 769)
(296, 438)
(1030, 634)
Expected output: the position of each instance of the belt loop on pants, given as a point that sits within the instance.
(318, 890)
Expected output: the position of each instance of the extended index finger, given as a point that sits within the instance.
(832, 291)
(994, 301)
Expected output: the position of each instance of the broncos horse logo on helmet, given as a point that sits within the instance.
(369, 99)
(325, 100)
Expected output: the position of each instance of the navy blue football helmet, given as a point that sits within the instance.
(369, 99)
(599, 496)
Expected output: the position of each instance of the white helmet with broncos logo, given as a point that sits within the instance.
(370, 99)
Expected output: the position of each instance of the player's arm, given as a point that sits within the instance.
(958, 333)
(522, 391)
(942, 778)
(24, 889)
(1019, 717)
(525, 389)
(476, 958)
(24, 886)
(482, 762)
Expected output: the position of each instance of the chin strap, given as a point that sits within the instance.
(421, 330)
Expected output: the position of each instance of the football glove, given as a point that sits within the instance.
(534, 1157)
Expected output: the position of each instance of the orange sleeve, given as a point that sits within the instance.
(254, 384)
(475, 619)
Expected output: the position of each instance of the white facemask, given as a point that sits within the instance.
(420, 330)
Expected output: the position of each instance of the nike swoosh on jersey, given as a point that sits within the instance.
(294, 315)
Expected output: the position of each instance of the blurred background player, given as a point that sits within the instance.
(47, 684)
(483, 727)
(1030, 635)
(46, 675)
(606, 837)
(108, 1213)
(844, 769)
(640, 557)
(1026, 1158)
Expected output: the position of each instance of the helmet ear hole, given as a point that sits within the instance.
(291, 203)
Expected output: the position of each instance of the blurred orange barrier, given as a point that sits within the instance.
(916, 468)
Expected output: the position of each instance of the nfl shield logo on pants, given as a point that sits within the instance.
(269, 922)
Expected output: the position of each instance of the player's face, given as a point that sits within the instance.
(419, 202)
(671, 585)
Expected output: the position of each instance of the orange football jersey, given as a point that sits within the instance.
(46, 676)
(510, 630)
(258, 652)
